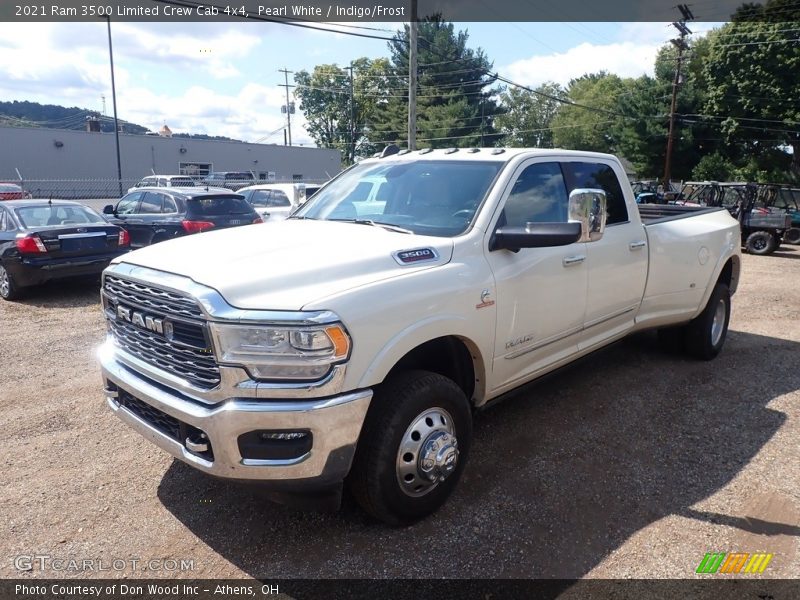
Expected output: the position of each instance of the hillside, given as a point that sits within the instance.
(33, 114)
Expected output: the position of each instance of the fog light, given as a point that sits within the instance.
(274, 445)
(291, 435)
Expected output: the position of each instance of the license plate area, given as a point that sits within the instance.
(82, 242)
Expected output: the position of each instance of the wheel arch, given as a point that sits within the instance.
(452, 354)
(727, 271)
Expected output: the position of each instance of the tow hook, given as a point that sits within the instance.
(198, 445)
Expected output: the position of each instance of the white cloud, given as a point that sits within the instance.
(35, 66)
(626, 59)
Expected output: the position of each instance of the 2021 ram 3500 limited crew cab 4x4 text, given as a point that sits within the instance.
(352, 341)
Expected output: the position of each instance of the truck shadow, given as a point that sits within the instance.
(559, 476)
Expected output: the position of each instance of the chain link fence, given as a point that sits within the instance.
(110, 190)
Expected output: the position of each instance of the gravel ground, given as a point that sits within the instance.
(634, 463)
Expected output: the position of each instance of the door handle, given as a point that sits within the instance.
(573, 260)
(637, 245)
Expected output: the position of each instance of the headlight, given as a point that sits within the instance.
(281, 353)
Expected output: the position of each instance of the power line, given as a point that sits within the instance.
(293, 23)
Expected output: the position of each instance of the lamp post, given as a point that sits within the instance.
(114, 102)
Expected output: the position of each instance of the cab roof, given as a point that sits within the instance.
(481, 154)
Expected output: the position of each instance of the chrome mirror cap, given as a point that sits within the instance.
(588, 207)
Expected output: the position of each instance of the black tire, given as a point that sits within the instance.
(761, 243)
(703, 339)
(8, 288)
(792, 236)
(374, 480)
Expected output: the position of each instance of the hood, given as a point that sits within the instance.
(289, 264)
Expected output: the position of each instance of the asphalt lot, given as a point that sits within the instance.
(634, 463)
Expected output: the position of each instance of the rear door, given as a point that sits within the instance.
(616, 263)
(540, 292)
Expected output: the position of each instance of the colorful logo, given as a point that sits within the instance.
(734, 562)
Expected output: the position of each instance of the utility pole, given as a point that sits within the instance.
(682, 46)
(352, 149)
(114, 102)
(412, 79)
(289, 108)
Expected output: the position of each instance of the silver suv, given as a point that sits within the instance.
(164, 181)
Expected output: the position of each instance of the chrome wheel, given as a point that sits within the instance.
(718, 324)
(428, 452)
(5, 283)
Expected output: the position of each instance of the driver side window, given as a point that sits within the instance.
(128, 204)
(539, 195)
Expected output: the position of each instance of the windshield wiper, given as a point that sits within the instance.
(387, 226)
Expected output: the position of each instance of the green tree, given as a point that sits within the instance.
(753, 74)
(713, 167)
(641, 133)
(325, 99)
(580, 128)
(526, 117)
(454, 99)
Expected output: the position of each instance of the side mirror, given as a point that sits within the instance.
(108, 209)
(587, 207)
(535, 235)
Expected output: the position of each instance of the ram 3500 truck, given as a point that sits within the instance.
(353, 341)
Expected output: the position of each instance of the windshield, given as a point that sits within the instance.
(182, 182)
(269, 199)
(218, 206)
(425, 197)
(51, 216)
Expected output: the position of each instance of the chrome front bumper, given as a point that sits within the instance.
(334, 422)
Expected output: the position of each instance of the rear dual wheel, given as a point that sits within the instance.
(413, 447)
(704, 336)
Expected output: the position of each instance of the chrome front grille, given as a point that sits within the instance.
(152, 298)
(182, 349)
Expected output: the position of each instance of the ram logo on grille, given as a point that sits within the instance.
(141, 320)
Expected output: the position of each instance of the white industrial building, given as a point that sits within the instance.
(37, 156)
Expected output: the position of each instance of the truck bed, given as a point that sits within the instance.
(660, 213)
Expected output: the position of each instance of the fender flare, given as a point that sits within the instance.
(419, 333)
(736, 269)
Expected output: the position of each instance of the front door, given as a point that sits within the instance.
(540, 292)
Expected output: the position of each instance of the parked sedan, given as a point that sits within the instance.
(42, 240)
(11, 191)
(152, 215)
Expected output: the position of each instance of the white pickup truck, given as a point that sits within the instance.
(353, 343)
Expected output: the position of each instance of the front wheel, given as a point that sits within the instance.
(760, 243)
(413, 447)
(705, 334)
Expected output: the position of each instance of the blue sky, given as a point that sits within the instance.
(223, 79)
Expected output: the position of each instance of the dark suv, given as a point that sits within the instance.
(152, 215)
(233, 180)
